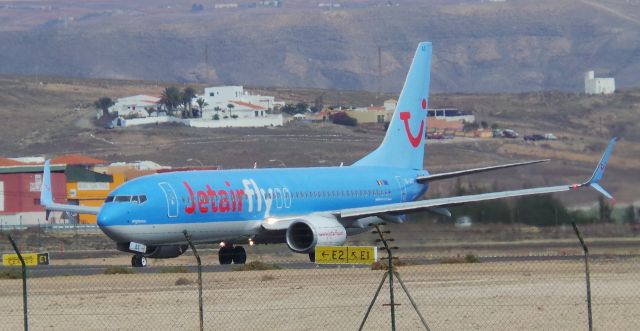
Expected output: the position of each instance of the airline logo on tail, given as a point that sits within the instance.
(405, 116)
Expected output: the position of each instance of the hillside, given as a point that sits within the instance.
(478, 46)
(57, 116)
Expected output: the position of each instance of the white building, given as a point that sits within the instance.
(451, 115)
(221, 96)
(136, 106)
(593, 85)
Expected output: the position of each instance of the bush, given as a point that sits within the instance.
(342, 118)
(174, 270)
(115, 270)
(216, 117)
(383, 264)
(183, 281)
(256, 265)
(11, 273)
(234, 116)
(469, 258)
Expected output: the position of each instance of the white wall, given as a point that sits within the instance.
(241, 122)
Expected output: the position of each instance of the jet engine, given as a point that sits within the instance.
(316, 230)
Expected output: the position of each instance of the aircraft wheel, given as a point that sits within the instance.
(225, 255)
(138, 261)
(239, 255)
(312, 256)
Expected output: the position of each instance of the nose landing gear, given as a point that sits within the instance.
(228, 254)
(138, 261)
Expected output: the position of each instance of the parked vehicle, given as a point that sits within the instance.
(463, 222)
(534, 137)
(508, 133)
(435, 135)
(550, 136)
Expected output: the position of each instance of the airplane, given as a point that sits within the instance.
(302, 207)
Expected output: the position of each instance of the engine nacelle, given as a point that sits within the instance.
(305, 234)
(166, 251)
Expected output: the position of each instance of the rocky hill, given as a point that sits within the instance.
(478, 46)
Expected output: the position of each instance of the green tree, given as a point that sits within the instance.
(541, 210)
(604, 210)
(104, 103)
(484, 124)
(318, 103)
(171, 98)
(230, 107)
(187, 95)
(630, 214)
(201, 104)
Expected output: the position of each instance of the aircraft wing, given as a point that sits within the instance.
(407, 207)
(432, 177)
(46, 197)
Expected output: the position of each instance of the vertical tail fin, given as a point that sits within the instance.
(403, 145)
(46, 197)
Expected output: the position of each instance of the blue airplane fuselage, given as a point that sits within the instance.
(157, 208)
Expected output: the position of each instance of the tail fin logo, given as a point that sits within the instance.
(405, 116)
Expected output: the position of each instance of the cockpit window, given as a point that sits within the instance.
(123, 198)
(127, 198)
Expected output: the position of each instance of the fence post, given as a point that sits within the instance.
(24, 284)
(195, 252)
(586, 267)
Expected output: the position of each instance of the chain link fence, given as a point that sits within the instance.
(459, 286)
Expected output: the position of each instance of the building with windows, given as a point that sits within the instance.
(73, 182)
(135, 106)
(594, 85)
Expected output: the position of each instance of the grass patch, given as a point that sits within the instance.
(266, 278)
(256, 265)
(469, 258)
(173, 270)
(183, 281)
(11, 273)
(383, 264)
(116, 270)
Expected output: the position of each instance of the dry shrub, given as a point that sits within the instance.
(256, 265)
(183, 281)
(115, 270)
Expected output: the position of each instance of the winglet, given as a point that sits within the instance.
(46, 197)
(599, 171)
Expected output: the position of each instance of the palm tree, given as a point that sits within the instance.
(170, 98)
(201, 103)
(230, 107)
(187, 95)
(104, 103)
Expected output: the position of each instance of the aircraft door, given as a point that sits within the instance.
(403, 189)
(172, 199)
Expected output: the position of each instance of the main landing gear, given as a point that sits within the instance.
(228, 254)
(138, 261)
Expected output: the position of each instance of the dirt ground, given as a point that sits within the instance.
(485, 296)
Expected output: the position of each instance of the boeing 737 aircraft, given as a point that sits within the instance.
(302, 207)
